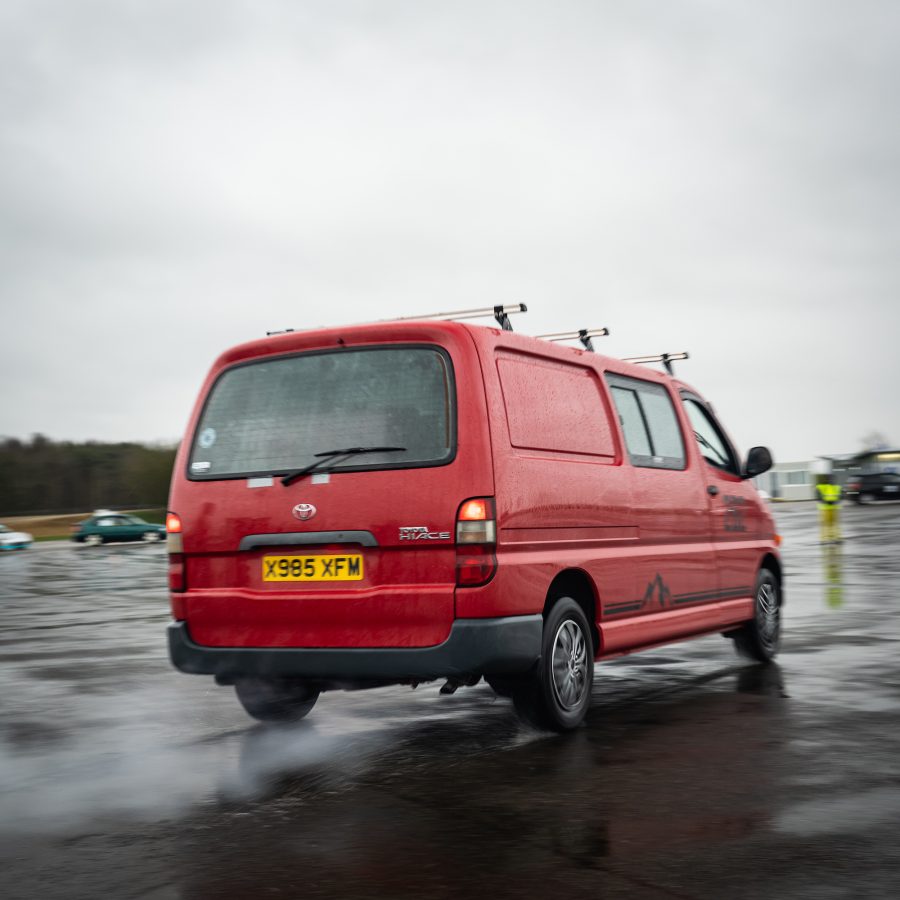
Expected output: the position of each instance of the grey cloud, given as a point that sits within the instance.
(177, 177)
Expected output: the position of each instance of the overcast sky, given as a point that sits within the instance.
(177, 177)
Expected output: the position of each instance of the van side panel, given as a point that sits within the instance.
(569, 498)
(633, 632)
(563, 495)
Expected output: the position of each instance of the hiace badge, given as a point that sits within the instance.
(422, 533)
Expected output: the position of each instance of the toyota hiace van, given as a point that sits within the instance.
(418, 500)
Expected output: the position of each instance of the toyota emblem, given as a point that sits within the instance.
(303, 511)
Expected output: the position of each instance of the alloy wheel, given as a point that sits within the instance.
(569, 665)
(768, 615)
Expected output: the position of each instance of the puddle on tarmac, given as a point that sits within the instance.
(839, 815)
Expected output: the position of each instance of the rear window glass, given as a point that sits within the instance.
(274, 416)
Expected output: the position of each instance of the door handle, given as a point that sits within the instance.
(712, 490)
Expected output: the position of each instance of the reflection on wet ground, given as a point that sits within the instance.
(696, 775)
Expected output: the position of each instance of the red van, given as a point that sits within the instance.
(409, 501)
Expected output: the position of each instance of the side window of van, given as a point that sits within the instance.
(649, 423)
(713, 444)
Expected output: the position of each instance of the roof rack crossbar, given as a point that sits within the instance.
(500, 313)
(664, 358)
(583, 334)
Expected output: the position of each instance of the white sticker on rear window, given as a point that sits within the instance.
(200, 466)
(265, 481)
(207, 438)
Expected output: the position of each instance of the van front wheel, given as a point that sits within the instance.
(558, 692)
(275, 700)
(760, 638)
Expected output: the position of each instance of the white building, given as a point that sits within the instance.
(797, 480)
(791, 480)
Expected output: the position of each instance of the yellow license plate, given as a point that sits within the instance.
(313, 568)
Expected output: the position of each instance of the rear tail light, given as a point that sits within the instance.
(476, 542)
(173, 533)
(176, 558)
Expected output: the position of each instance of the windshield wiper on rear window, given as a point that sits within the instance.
(331, 457)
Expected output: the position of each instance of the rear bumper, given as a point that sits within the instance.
(475, 647)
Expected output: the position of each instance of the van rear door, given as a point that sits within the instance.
(359, 550)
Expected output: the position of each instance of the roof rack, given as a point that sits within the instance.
(583, 334)
(500, 313)
(664, 358)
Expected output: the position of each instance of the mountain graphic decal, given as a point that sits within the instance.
(657, 594)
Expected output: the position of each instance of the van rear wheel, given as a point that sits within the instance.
(275, 700)
(557, 693)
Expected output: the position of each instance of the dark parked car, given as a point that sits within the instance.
(105, 527)
(880, 486)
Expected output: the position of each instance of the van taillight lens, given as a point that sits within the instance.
(176, 573)
(476, 542)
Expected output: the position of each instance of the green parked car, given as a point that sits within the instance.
(105, 526)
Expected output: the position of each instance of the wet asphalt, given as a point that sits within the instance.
(697, 775)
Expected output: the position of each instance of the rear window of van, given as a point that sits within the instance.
(274, 415)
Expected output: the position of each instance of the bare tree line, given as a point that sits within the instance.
(45, 476)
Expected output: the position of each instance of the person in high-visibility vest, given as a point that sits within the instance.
(829, 504)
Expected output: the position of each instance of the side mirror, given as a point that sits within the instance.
(759, 460)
